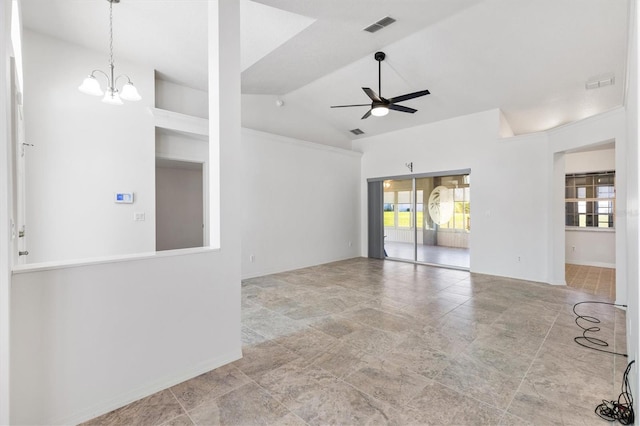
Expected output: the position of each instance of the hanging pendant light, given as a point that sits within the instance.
(112, 96)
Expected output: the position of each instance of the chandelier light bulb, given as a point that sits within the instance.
(112, 97)
(130, 93)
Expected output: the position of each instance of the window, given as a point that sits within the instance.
(462, 209)
(590, 200)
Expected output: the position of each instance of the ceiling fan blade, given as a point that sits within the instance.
(347, 106)
(373, 95)
(402, 108)
(366, 115)
(409, 96)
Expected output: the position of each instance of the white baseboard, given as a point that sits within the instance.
(146, 390)
(596, 264)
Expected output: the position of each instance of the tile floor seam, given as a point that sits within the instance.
(277, 399)
(531, 363)
(378, 399)
(181, 406)
(214, 399)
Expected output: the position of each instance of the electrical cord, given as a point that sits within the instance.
(594, 341)
(622, 409)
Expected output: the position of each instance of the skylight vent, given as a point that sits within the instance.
(357, 132)
(377, 26)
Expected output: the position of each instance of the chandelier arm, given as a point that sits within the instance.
(103, 73)
(122, 75)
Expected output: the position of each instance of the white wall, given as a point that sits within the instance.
(182, 99)
(84, 152)
(601, 160)
(5, 206)
(633, 207)
(300, 203)
(179, 208)
(90, 338)
(181, 146)
(508, 180)
(590, 247)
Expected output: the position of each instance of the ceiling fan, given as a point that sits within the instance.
(380, 106)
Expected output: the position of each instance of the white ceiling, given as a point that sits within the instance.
(531, 59)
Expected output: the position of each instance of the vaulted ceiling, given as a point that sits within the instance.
(531, 59)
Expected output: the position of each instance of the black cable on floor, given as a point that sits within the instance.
(622, 409)
(594, 341)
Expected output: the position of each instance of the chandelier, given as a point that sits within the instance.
(112, 95)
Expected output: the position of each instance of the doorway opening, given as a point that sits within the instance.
(179, 204)
(590, 219)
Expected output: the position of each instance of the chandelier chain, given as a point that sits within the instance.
(111, 33)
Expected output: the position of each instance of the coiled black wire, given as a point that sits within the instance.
(622, 409)
(594, 342)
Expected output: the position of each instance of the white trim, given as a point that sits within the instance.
(180, 122)
(587, 120)
(272, 271)
(68, 264)
(588, 229)
(596, 264)
(205, 191)
(5, 213)
(149, 389)
(558, 129)
(299, 142)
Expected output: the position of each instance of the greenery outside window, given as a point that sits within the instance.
(462, 210)
(590, 200)
(398, 209)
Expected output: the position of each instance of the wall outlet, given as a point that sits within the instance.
(252, 258)
(138, 216)
(518, 258)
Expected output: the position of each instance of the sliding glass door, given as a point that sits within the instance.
(427, 219)
(399, 219)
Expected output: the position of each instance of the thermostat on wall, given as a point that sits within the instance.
(124, 197)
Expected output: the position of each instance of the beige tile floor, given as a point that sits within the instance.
(368, 342)
(592, 279)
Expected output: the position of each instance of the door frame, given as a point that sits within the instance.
(415, 228)
(205, 189)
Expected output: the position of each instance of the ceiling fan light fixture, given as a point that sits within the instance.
(379, 110)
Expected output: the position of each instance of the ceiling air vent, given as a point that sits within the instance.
(357, 131)
(376, 26)
(601, 81)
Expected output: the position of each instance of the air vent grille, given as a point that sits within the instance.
(602, 81)
(378, 25)
(357, 131)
